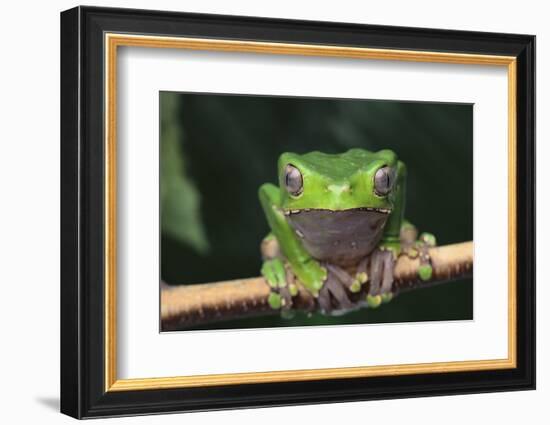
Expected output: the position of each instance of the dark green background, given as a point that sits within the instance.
(216, 150)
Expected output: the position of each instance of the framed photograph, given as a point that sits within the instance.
(263, 212)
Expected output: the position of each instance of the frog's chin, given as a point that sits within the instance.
(339, 236)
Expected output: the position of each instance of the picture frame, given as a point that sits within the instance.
(90, 41)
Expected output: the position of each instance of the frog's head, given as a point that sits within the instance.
(354, 180)
(338, 204)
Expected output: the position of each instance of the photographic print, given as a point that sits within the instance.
(301, 211)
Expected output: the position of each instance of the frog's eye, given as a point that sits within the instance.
(383, 180)
(294, 181)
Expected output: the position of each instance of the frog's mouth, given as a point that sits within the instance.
(358, 209)
(341, 236)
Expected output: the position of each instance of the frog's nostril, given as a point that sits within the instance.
(339, 188)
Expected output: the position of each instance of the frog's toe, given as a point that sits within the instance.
(425, 272)
(274, 272)
(286, 299)
(355, 286)
(275, 300)
(361, 276)
(428, 239)
(423, 245)
(376, 267)
(377, 300)
(374, 301)
(352, 284)
(381, 272)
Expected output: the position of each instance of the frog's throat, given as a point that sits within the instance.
(379, 210)
(340, 237)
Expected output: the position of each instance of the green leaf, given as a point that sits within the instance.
(179, 197)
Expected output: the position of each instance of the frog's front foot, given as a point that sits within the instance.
(281, 281)
(418, 248)
(382, 263)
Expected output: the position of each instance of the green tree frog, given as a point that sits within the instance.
(337, 224)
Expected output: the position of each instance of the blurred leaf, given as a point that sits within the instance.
(180, 198)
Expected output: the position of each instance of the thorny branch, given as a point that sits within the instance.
(191, 305)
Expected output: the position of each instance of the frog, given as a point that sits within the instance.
(337, 227)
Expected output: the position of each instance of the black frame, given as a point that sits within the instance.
(82, 203)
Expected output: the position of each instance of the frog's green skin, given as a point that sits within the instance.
(337, 220)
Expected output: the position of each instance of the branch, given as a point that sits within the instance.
(190, 305)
